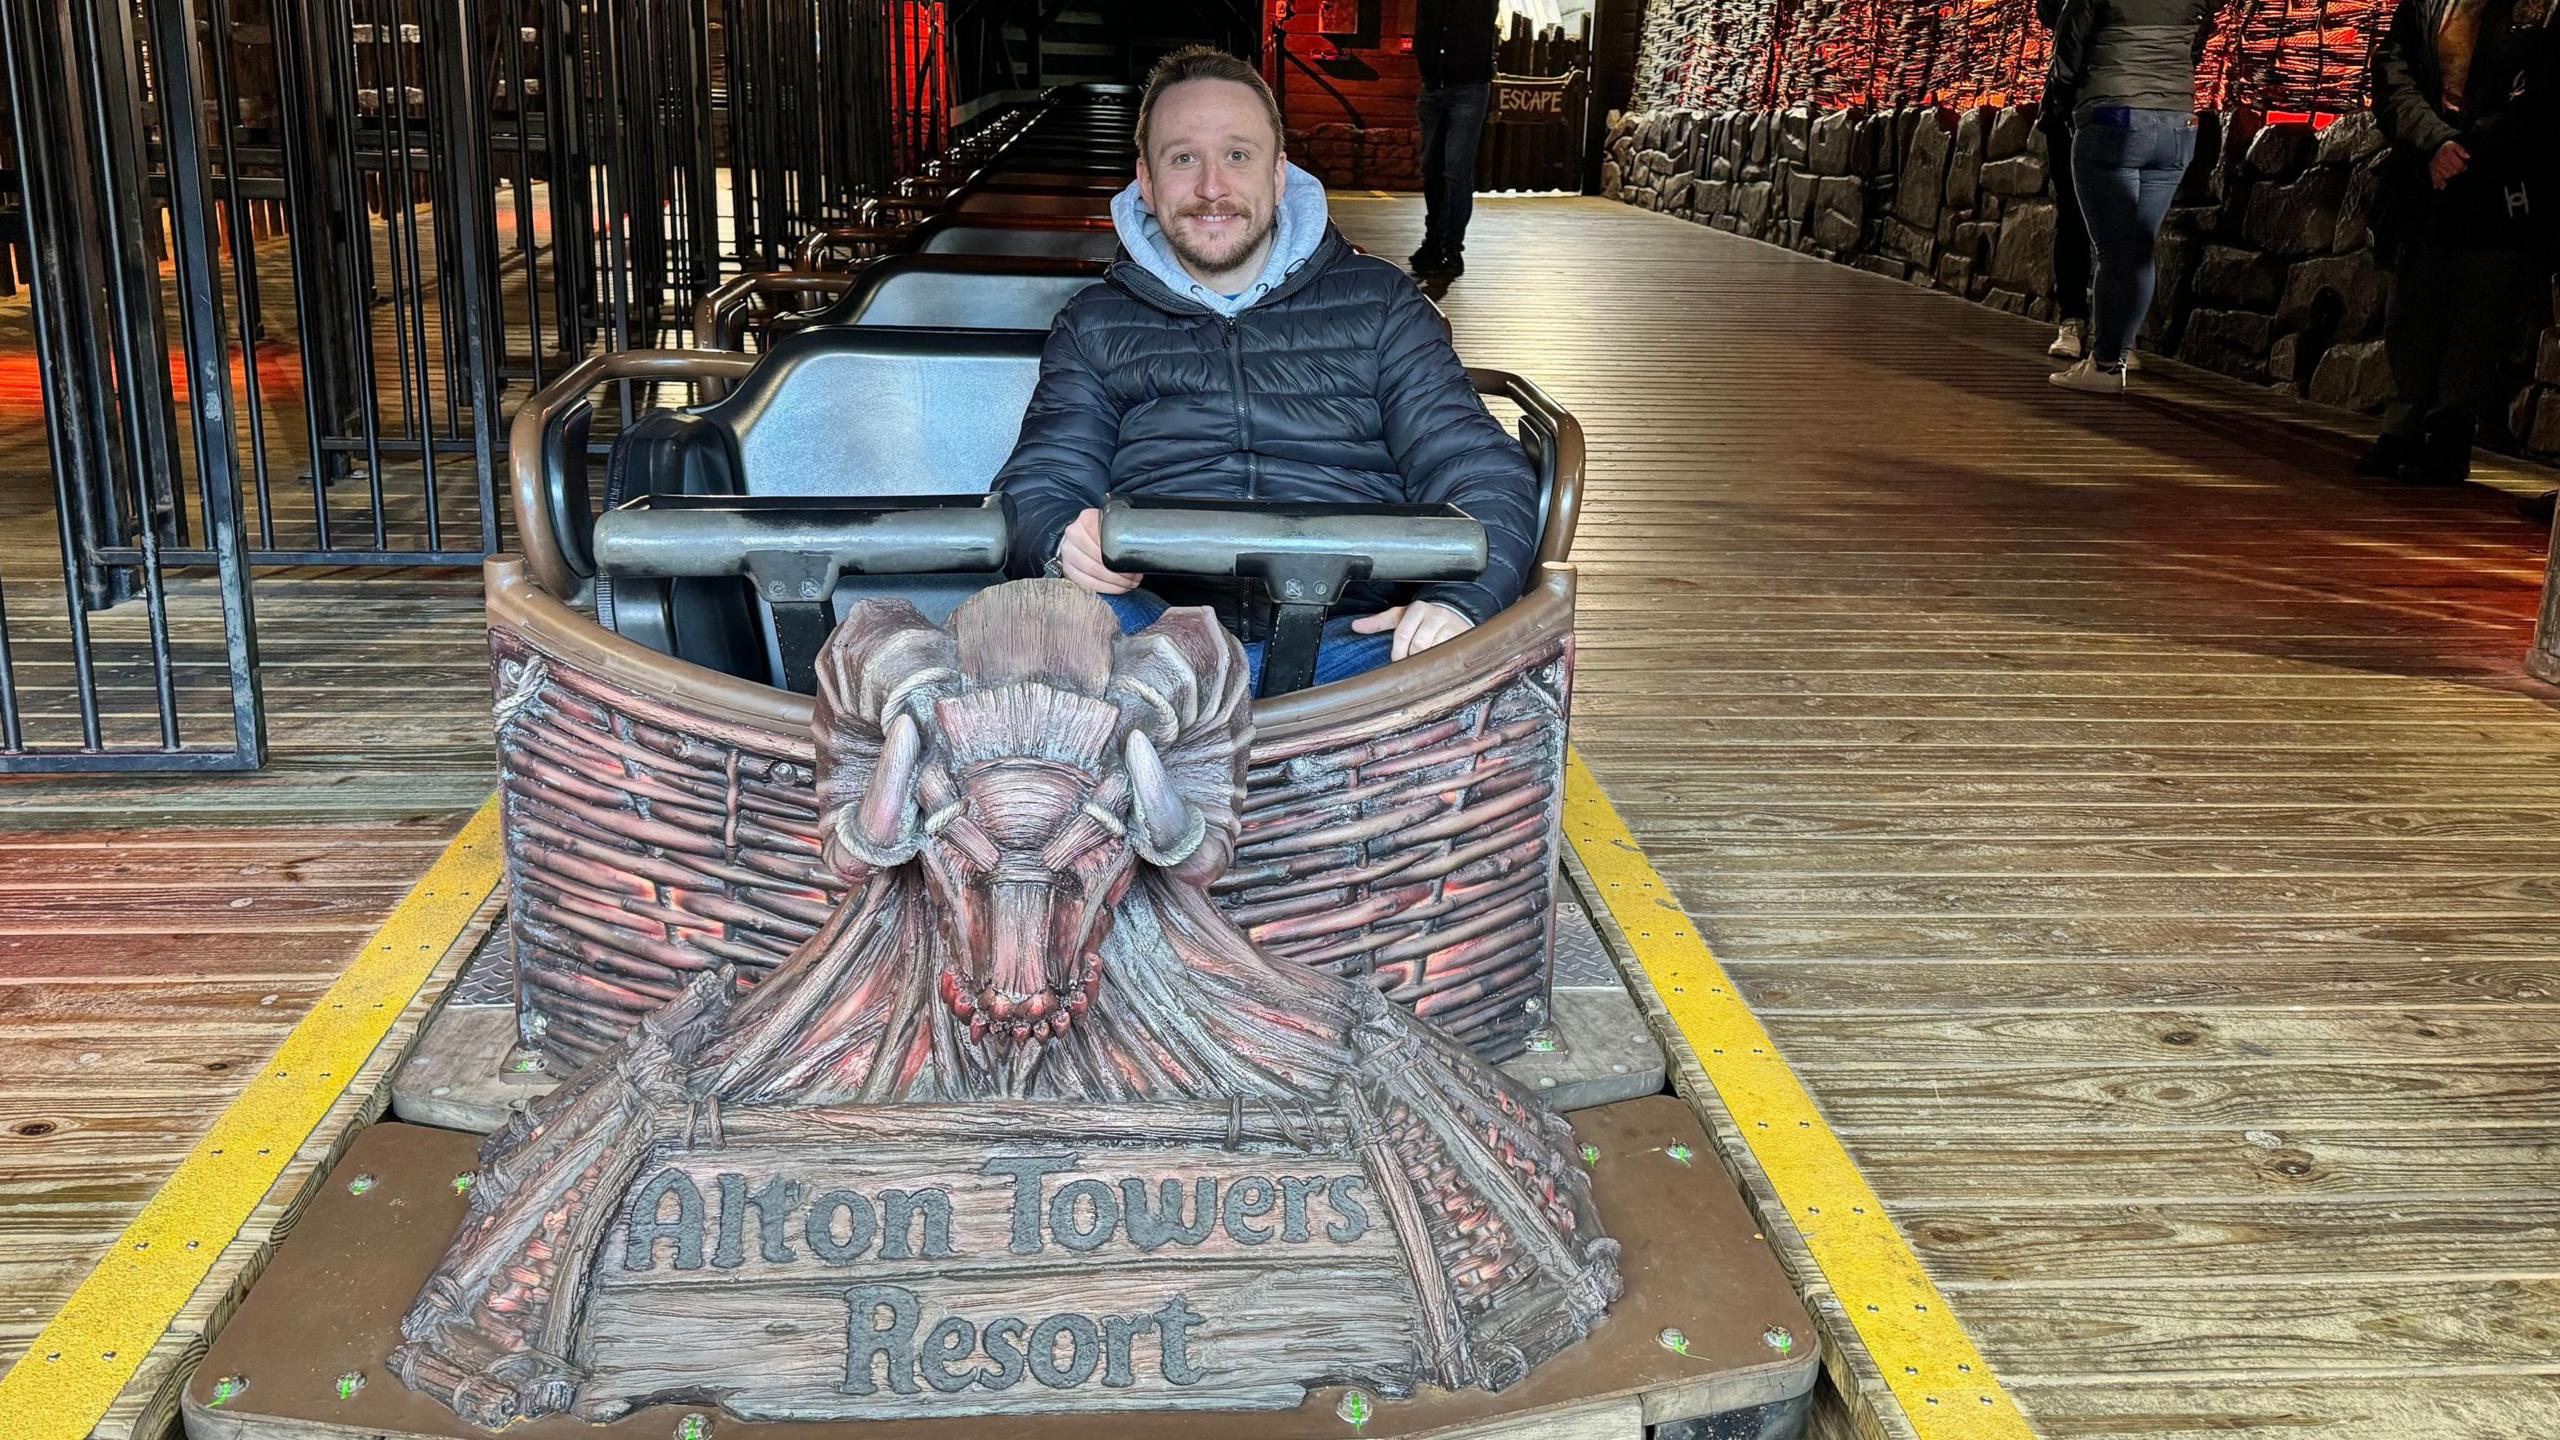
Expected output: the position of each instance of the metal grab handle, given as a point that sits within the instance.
(1303, 555)
(878, 225)
(547, 454)
(1177, 537)
(728, 535)
(720, 320)
(867, 242)
(1561, 434)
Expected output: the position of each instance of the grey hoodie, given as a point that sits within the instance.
(1295, 234)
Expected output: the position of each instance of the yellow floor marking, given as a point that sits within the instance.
(1945, 1386)
(84, 1358)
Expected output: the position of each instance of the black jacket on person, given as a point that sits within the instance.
(1454, 41)
(2510, 123)
(1339, 386)
(2136, 53)
(2053, 115)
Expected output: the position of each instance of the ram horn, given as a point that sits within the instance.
(877, 828)
(1169, 827)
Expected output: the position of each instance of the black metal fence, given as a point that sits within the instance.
(94, 673)
(826, 103)
(337, 239)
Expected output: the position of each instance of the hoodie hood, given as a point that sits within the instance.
(1295, 234)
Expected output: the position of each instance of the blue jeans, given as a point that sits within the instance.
(1452, 119)
(1341, 654)
(2126, 164)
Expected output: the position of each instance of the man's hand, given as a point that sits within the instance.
(1418, 626)
(1080, 556)
(2450, 160)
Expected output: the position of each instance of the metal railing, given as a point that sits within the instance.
(337, 239)
(116, 685)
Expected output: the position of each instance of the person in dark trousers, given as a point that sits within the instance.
(2071, 257)
(2130, 66)
(1240, 349)
(2464, 90)
(1453, 44)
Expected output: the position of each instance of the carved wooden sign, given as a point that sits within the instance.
(1137, 1261)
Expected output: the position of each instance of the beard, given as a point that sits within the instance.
(1218, 254)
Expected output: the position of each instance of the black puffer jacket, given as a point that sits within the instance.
(1339, 386)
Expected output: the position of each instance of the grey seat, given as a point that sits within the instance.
(992, 202)
(1058, 237)
(840, 411)
(957, 292)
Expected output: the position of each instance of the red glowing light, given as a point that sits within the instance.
(2300, 57)
(279, 378)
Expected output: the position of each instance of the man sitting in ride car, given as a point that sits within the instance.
(1240, 349)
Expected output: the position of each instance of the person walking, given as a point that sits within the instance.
(2130, 66)
(2071, 258)
(1453, 43)
(2464, 90)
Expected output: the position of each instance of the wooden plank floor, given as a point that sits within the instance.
(2134, 830)
(159, 935)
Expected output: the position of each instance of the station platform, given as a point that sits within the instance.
(2134, 836)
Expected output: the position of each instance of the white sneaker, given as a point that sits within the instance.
(2132, 359)
(2071, 341)
(2089, 375)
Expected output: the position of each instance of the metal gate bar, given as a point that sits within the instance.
(403, 214)
(111, 434)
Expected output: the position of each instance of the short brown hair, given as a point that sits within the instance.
(1205, 62)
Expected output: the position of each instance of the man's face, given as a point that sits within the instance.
(1212, 176)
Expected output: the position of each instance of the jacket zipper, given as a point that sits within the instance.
(1244, 424)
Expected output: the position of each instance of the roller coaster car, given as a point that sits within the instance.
(660, 819)
(1039, 194)
(951, 292)
(1087, 237)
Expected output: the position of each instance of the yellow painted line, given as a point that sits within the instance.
(62, 1386)
(1945, 1386)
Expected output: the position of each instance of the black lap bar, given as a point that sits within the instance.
(1303, 556)
(794, 549)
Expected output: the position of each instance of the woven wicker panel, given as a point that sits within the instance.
(647, 844)
(644, 846)
(1424, 858)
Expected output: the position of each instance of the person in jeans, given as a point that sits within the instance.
(1453, 47)
(2131, 68)
(2071, 258)
(2466, 218)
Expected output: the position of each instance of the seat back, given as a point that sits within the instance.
(840, 411)
(1016, 179)
(988, 204)
(878, 411)
(1057, 237)
(963, 292)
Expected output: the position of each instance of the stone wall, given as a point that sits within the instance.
(2266, 265)
(1352, 157)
